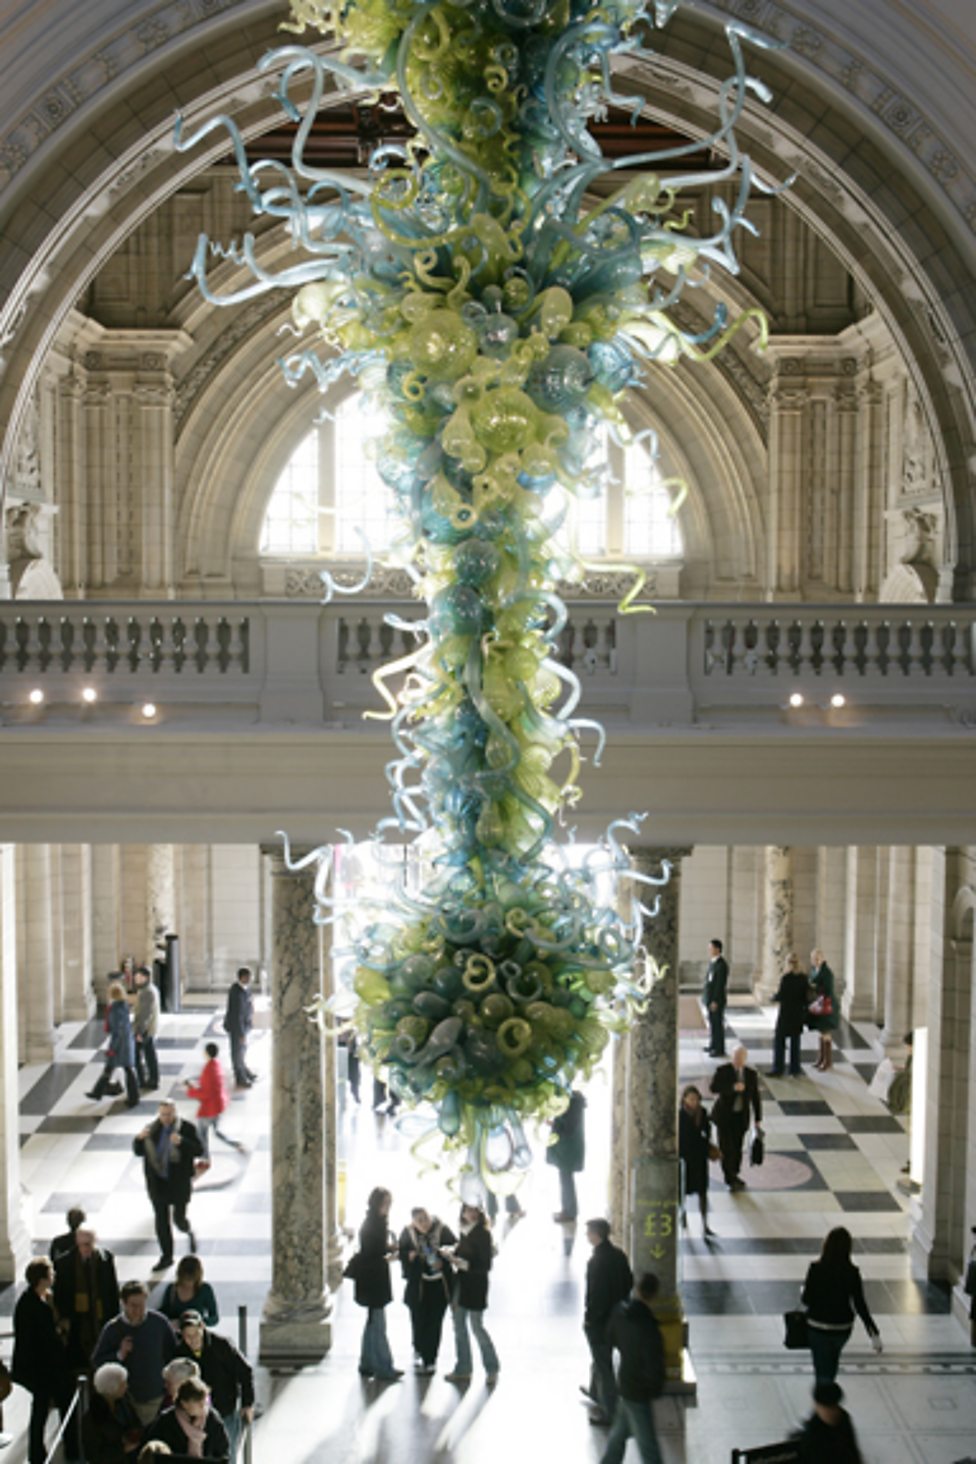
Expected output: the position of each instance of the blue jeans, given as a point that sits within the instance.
(462, 1341)
(603, 1384)
(234, 1424)
(632, 1420)
(374, 1355)
(826, 1348)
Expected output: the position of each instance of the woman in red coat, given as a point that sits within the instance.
(211, 1094)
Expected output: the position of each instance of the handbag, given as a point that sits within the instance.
(6, 1382)
(797, 1333)
(353, 1266)
(757, 1151)
(821, 1006)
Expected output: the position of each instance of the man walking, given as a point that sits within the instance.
(168, 1148)
(736, 1089)
(608, 1282)
(634, 1332)
(142, 1341)
(714, 998)
(146, 1024)
(238, 1020)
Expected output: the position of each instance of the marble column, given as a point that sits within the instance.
(35, 956)
(160, 897)
(295, 1326)
(333, 1234)
(861, 931)
(899, 946)
(777, 916)
(650, 1118)
(78, 1002)
(14, 1234)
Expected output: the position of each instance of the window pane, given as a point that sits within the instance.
(651, 530)
(291, 521)
(362, 499)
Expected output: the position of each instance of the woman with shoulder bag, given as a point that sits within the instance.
(371, 1274)
(832, 1293)
(429, 1277)
(695, 1148)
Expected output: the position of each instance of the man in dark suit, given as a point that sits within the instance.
(736, 1089)
(86, 1295)
(168, 1147)
(793, 996)
(714, 998)
(238, 1020)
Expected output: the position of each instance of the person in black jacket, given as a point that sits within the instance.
(40, 1363)
(634, 1332)
(86, 1296)
(471, 1259)
(238, 1021)
(110, 1430)
(736, 1089)
(373, 1290)
(62, 1244)
(225, 1370)
(608, 1281)
(169, 1147)
(429, 1277)
(694, 1151)
(832, 1293)
(794, 998)
(828, 1433)
(714, 998)
(192, 1421)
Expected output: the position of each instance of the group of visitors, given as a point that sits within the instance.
(738, 1103)
(441, 1270)
(156, 1374)
(131, 1039)
(805, 1000)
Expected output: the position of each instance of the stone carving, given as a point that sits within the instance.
(916, 472)
(27, 461)
(32, 575)
(243, 323)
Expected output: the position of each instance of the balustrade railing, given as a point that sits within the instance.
(71, 638)
(884, 642)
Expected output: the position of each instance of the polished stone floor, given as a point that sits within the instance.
(834, 1157)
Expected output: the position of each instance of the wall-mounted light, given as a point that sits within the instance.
(838, 699)
(148, 710)
(35, 696)
(89, 695)
(796, 699)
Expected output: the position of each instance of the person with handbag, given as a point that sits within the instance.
(832, 1293)
(822, 1011)
(793, 997)
(736, 1089)
(370, 1272)
(695, 1148)
(429, 1279)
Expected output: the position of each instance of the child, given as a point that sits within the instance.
(211, 1092)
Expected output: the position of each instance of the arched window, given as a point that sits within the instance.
(329, 496)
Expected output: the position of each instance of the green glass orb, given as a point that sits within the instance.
(475, 561)
(441, 345)
(457, 610)
(504, 420)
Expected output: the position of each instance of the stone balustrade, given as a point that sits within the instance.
(295, 663)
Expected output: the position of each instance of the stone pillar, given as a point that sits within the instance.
(106, 906)
(830, 918)
(777, 917)
(160, 897)
(14, 1236)
(788, 400)
(333, 1235)
(899, 946)
(649, 1231)
(76, 927)
(745, 909)
(861, 935)
(940, 1239)
(295, 1325)
(35, 956)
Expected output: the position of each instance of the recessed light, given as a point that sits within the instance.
(796, 699)
(89, 695)
(35, 696)
(148, 710)
(838, 699)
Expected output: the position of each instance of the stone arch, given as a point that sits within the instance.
(879, 208)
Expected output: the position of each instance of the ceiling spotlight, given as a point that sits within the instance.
(838, 699)
(796, 699)
(35, 697)
(149, 710)
(89, 695)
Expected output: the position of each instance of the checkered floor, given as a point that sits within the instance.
(833, 1156)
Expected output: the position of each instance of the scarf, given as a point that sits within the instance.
(158, 1152)
(195, 1435)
